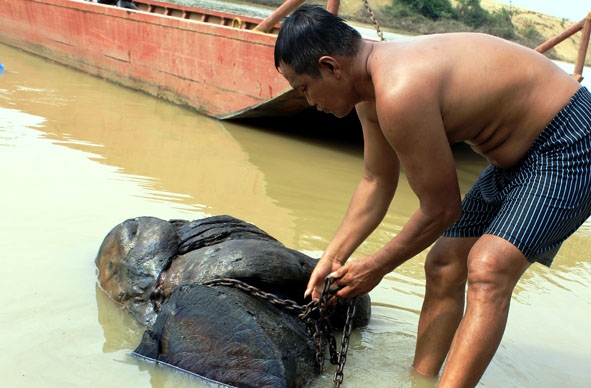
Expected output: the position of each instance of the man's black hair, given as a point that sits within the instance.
(309, 33)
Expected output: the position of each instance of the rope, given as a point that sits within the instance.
(374, 20)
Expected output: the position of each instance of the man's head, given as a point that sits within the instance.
(309, 33)
(314, 52)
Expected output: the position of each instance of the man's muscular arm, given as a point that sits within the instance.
(418, 135)
(412, 125)
(369, 203)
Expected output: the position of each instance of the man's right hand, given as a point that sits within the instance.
(323, 268)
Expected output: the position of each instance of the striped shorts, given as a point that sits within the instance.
(543, 200)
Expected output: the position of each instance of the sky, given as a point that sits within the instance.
(574, 10)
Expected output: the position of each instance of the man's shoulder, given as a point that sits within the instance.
(404, 71)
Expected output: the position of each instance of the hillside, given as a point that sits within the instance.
(548, 26)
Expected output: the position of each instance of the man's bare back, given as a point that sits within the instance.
(526, 89)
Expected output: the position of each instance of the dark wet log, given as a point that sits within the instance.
(217, 229)
(267, 265)
(225, 335)
(155, 269)
(130, 261)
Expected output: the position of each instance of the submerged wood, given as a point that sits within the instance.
(155, 270)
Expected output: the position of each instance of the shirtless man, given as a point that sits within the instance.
(415, 98)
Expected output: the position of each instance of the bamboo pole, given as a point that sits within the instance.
(547, 45)
(584, 45)
(584, 25)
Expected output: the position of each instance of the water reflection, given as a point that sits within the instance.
(80, 155)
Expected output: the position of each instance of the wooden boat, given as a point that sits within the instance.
(209, 60)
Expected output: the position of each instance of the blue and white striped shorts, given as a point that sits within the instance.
(546, 198)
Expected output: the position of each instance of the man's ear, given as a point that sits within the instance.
(329, 64)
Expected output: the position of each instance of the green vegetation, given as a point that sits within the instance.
(436, 16)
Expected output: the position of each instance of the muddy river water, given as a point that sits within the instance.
(79, 155)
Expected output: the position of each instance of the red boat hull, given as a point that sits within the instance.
(207, 60)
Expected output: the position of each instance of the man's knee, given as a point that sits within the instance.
(446, 266)
(494, 267)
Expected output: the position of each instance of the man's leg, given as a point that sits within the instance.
(446, 271)
(494, 268)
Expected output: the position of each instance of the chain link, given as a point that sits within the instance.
(315, 315)
(287, 304)
(342, 355)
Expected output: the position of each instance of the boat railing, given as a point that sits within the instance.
(198, 14)
(584, 26)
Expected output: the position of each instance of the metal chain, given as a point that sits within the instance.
(287, 304)
(374, 20)
(342, 359)
(315, 315)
